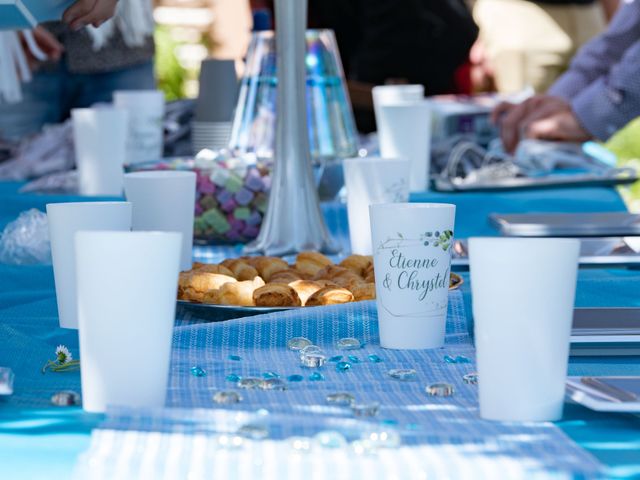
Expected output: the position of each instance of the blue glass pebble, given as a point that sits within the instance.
(268, 375)
(403, 374)
(235, 358)
(198, 372)
(343, 366)
(354, 359)
(232, 377)
(462, 359)
(373, 358)
(413, 426)
(449, 359)
(316, 377)
(335, 358)
(389, 421)
(295, 378)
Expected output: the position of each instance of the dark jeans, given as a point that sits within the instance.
(51, 95)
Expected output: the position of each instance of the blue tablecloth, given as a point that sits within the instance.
(38, 441)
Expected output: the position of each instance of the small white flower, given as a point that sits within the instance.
(63, 355)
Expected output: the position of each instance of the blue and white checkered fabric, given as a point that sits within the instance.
(441, 437)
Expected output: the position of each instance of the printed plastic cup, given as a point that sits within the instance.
(145, 140)
(404, 131)
(163, 201)
(127, 285)
(412, 258)
(65, 219)
(523, 297)
(100, 137)
(369, 181)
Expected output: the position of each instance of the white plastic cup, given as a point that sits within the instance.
(164, 201)
(395, 94)
(371, 180)
(404, 131)
(523, 293)
(412, 257)
(145, 140)
(99, 137)
(65, 219)
(126, 306)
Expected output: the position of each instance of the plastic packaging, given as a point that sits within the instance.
(25, 241)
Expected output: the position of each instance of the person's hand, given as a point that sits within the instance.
(46, 42)
(89, 12)
(559, 126)
(515, 121)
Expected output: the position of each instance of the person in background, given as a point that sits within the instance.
(84, 65)
(597, 96)
(529, 43)
(391, 41)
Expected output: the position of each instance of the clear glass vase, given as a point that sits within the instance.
(332, 131)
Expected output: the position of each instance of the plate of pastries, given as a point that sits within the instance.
(263, 284)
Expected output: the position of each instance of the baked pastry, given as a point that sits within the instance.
(239, 293)
(363, 291)
(358, 264)
(368, 274)
(267, 266)
(204, 281)
(310, 263)
(213, 268)
(241, 270)
(329, 296)
(306, 288)
(276, 295)
(285, 276)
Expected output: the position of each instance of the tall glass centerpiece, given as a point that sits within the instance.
(293, 222)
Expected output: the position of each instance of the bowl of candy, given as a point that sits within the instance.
(231, 194)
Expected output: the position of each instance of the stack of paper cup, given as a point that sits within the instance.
(216, 102)
(403, 118)
(145, 140)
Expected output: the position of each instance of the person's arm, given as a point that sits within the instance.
(612, 100)
(597, 57)
(89, 12)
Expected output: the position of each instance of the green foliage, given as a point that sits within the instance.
(625, 144)
(170, 74)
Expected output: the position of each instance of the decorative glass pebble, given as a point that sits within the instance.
(363, 447)
(348, 344)
(449, 359)
(273, 384)
(267, 375)
(373, 358)
(412, 426)
(295, 378)
(313, 360)
(440, 390)
(263, 412)
(389, 421)
(226, 397)
(316, 377)
(298, 343)
(300, 444)
(462, 359)
(254, 432)
(341, 399)
(249, 383)
(230, 442)
(470, 378)
(354, 359)
(232, 377)
(343, 366)
(65, 398)
(330, 439)
(309, 349)
(335, 358)
(235, 358)
(404, 374)
(383, 439)
(365, 409)
(198, 372)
